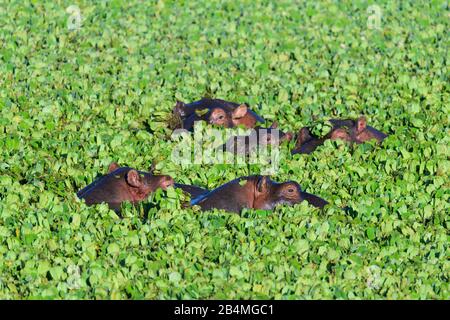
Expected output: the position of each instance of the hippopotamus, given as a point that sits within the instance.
(258, 137)
(353, 131)
(307, 142)
(123, 184)
(217, 112)
(255, 192)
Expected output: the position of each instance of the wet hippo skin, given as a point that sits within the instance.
(255, 192)
(217, 112)
(352, 131)
(123, 184)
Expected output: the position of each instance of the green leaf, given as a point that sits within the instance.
(371, 233)
(113, 248)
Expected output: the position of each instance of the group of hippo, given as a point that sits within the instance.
(122, 184)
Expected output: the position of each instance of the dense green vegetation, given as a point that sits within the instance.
(72, 101)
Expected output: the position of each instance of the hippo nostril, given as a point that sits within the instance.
(166, 182)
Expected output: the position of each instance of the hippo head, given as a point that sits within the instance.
(306, 142)
(356, 131)
(143, 183)
(232, 117)
(361, 132)
(269, 194)
(138, 184)
(123, 184)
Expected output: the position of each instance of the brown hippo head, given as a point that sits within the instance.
(216, 112)
(255, 192)
(123, 184)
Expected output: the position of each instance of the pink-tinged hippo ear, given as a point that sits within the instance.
(263, 184)
(240, 111)
(274, 125)
(361, 124)
(134, 179)
(113, 167)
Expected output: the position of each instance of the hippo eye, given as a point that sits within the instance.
(221, 117)
(290, 190)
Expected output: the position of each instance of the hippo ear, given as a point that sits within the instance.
(180, 108)
(134, 179)
(263, 184)
(361, 124)
(113, 167)
(274, 125)
(304, 135)
(240, 111)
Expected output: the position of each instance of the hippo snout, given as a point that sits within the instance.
(166, 181)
